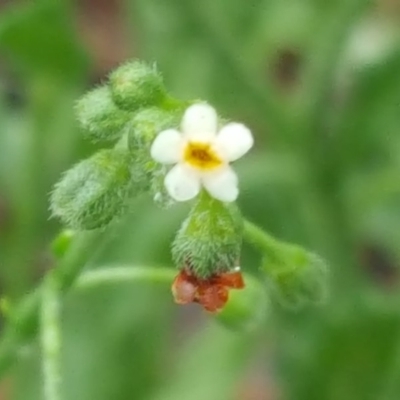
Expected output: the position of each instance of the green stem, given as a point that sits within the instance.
(51, 338)
(261, 240)
(23, 322)
(126, 274)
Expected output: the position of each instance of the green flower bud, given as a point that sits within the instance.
(141, 131)
(209, 241)
(94, 191)
(100, 118)
(297, 277)
(135, 85)
(246, 309)
(146, 125)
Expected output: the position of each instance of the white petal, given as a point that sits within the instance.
(200, 122)
(182, 183)
(222, 184)
(233, 141)
(167, 147)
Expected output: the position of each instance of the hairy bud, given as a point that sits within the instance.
(142, 130)
(209, 241)
(298, 278)
(100, 118)
(94, 191)
(136, 85)
(147, 124)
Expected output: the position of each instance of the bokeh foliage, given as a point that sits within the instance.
(325, 174)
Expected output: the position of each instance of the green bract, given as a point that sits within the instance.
(298, 277)
(210, 239)
(136, 85)
(100, 118)
(94, 191)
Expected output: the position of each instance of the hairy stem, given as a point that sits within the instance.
(51, 338)
(261, 240)
(23, 323)
(125, 274)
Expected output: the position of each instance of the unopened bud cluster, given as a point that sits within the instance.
(125, 113)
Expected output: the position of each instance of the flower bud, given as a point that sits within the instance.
(142, 130)
(100, 118)
(146, 125)
(246, 309)
(94, 191)
(298, 277)
(209, 240)
(135, 85)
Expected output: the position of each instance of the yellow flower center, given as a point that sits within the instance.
(201, 155)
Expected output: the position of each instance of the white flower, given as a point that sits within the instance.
(202, 155)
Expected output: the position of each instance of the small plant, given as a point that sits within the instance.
(172, 151)
(175, 151)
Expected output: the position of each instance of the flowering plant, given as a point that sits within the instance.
(176, 151)
(173, 151)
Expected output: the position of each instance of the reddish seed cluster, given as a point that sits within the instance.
(212, 293)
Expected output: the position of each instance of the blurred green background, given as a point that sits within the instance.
(318, 82)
